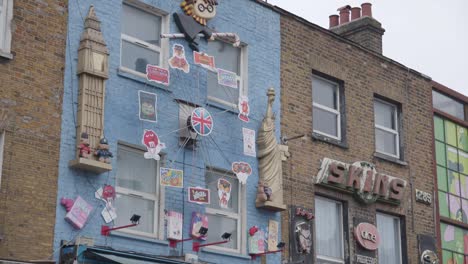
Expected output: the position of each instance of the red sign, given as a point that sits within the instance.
(198, 195)
(157, 74)
(367, 236)
(204, 60)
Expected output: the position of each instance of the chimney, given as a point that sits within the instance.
(362, 29)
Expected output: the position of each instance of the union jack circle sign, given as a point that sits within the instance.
(201, 121)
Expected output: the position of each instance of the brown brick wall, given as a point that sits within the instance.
(31, 89)
(306, 48)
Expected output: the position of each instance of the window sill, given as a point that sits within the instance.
(126, 74)
(222, 107)
(6, 55)
(338, 143)
(225, 253)
(140, 238)
(390, 159)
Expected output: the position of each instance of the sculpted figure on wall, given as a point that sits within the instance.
(270, 160)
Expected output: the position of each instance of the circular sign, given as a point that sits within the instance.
(429, 257)
(367, 236)
(201, 121)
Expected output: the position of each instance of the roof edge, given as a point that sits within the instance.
(302, 20)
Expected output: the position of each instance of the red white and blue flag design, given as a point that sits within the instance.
(201, 121)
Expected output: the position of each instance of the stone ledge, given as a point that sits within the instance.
(271, 206)
(90, 165)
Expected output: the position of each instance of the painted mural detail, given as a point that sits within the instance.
(153, 144)
(171, 177)
(198, 195)
(107, 195)
(205, 60)
(244, 108)
(178, 60)
(147, 106)
(249, 142)
(201, 121)
(224, 193)
(198, 220)
(102, 152)
(193, 22)
(361, 178)
(273, 228)
(270, 166)
(257, 242)
(157, 74)
(84, 148)
(301, 231)
(78, 211)
(242, 171)
(174, 225)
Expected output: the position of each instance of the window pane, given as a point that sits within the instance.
(439, 128)
(462, 138)
(454, 183)
(226, 192)
(452, 158)
(384, 115)
(325, 93)
(440, 153)
(443, 204)
(325, 121)
(385, 142)
(329, 228)
(463, 162)
(448, 105)
(219, 225)
(225, 93)
(141, 25)
(442, 178)
(455, 208)
(134, 172)
(136, 57)
(128, 206)
(450, 133)
(389, 248)
(227, 56)
(464, 186)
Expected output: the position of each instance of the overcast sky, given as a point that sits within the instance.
(430, 36)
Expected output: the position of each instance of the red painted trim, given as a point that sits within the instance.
(453, 222)
(436, 191)
(196, 245)
(452, 93)
(173, 242)
(254, 256)
(450, 117)
(105, 230)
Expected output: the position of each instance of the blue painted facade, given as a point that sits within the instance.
(259, 28)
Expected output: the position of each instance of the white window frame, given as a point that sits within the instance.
(330, 110)
(2, 147)
(399, 231)
(393, 131)
(157, 198)
(340, 217)
(239, 216)
(242, 80)
(5, 28)
(163, 49)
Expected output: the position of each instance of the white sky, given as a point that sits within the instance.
(429, 36)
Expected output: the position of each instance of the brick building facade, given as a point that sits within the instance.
(343, 95)
(32, 50)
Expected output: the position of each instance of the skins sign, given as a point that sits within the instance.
(361, 178)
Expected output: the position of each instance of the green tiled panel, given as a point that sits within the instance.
(447, 257)
(439, 128)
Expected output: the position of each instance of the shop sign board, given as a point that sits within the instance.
(362, 179)
(367, 236)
